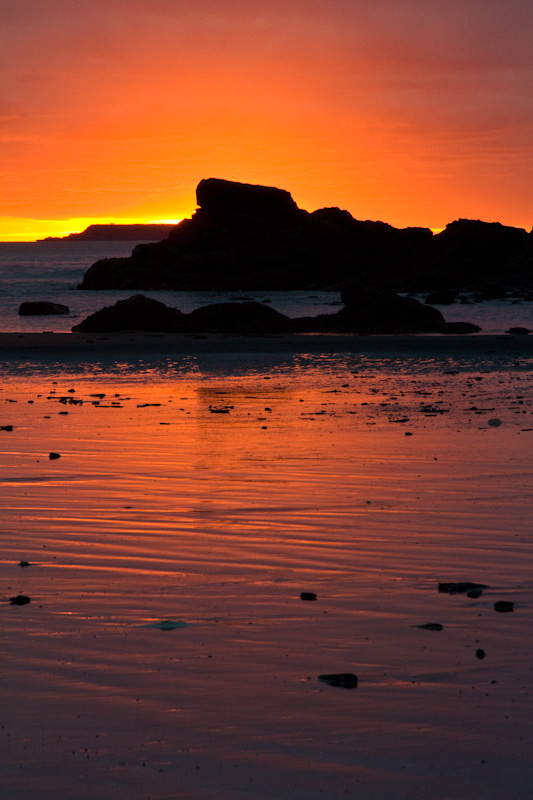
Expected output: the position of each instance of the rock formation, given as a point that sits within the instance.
(112, 232)
(364, 313)
(137, 313)
(255, 237)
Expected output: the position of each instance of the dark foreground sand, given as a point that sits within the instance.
(38, 345)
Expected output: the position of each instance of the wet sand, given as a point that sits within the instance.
(43, 344)
(209, 499)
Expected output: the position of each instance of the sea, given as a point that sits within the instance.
(52, 271)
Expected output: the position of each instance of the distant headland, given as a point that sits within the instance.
(116, 232)
(249, 237)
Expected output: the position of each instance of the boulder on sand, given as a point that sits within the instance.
(247, 317)
(38, 307)
(137, 313)
(368, 310)
(442, 297)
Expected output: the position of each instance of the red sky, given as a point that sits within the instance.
(412, 112)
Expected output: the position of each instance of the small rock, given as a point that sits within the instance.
(19, 600)
(431, 626)
(518, 331)
(480, 654)
(307, 596)
(461, 587)
(459, 328)
(24, 564)
(346, 680)
(167, 624)
(40, 307)
(494, 423)
(6, 427)
(52, 456)
(474, 593)
(503, 606)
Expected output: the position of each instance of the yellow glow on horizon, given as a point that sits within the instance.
(21, 229)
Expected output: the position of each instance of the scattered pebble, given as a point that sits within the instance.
(431, 626)
(167, 625)
(307, 596)
(494, 423)
(346, 680)
(19, 600)
(503, 606)
(53, 456)
(461, 587)
(24, 564)
(480, 654)
(6, 427)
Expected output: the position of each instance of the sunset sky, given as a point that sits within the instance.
(412, 112)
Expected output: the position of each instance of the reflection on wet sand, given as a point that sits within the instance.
(166, 650)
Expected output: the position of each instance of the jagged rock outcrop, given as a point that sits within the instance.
(251, 237)
(229, 197)
(255, 237)
(471, 253)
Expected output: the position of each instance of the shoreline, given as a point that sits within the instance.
(43, 345)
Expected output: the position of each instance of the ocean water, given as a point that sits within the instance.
(51, 271)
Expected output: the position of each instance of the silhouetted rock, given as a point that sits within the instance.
(431, 626)
(386, 313)
(470, 253)
(461, 587)
(346, 680)
(442, 297)
(503, 606)
(459, 328)
(255, 237)
(491, 291)
(43, 307)
(251, 237)
(20, 600)
(137, 313)
(121, 232)
(217, 196)
(518, 331)
(358, 294)
(247, 317)
(371, 311)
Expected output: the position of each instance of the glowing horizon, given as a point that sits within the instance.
(404, 112)
(32, 230)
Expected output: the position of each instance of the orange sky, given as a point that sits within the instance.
(412, 112)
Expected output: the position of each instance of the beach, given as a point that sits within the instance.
(52, 345)
(198, 486)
